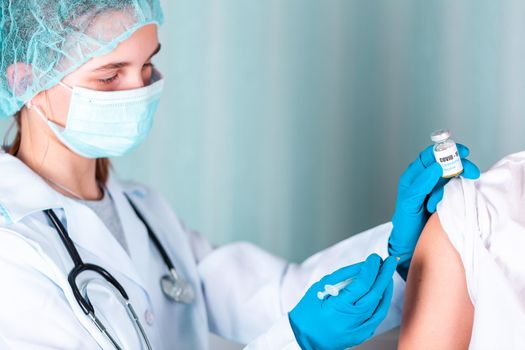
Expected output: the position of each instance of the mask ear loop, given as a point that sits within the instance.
(42, 116)
(65, 86)
(37, 109)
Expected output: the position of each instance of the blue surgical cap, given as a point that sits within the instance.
(41, 41)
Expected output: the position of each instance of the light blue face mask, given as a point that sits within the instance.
(104, 124)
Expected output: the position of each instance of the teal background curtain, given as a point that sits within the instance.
(287, 123)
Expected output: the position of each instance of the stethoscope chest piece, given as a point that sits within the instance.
(176, 289)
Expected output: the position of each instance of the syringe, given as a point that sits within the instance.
(334, 289)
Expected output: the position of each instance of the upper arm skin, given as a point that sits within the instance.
(437, 313)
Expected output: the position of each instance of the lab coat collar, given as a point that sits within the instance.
(101, 245)
(22, 191)
(134, 230)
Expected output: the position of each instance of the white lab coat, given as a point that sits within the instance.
(242, 292)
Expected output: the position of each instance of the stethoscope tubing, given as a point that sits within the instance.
(153, 236)
(80, 267)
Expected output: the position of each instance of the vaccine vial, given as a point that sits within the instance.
(446, 153)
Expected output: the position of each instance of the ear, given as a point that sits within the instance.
(19, 77)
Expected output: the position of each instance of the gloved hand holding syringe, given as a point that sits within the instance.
(334, 289)
(350, 318)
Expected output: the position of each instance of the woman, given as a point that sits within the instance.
(82, 254)
(477, 236)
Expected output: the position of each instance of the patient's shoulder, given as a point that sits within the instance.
(505, 179)
(500, 190)
(485, 206)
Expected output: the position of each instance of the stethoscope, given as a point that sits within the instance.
(172, 285)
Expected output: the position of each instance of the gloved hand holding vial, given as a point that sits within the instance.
(420, 190)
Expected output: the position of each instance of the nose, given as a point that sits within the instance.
(135, 81)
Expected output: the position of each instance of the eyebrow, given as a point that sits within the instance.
(117, 65)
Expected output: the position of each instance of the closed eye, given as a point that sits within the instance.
(115, 77)
(108, 80)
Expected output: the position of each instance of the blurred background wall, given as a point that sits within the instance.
(288, 122)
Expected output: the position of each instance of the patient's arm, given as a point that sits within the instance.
(438, 313)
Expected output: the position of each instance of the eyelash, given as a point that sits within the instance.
(115, 77)
(108, 80)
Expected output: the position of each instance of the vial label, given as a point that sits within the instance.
(450, 161)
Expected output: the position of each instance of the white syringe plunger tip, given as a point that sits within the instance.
(332, 290)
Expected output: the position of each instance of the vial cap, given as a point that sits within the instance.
(440, 135)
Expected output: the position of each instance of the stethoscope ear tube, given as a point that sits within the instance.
(85, 304)
(104, 331)
(135, 318)
(64, 236)
(80, 266)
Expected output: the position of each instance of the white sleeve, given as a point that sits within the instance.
(279, 337)
(3, 343)
(34, 313)
(248, 290)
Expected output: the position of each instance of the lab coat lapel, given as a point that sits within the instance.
(97, 243)
(84, 227)
(136, 234)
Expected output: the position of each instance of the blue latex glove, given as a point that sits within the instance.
(346, 320)
(419, 192)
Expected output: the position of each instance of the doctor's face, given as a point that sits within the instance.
(128, 66)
